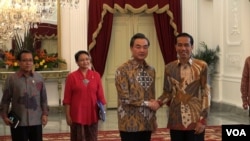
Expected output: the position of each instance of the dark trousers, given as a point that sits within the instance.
(180, 135)
(80, 132)
(26, 133)
(136, 136)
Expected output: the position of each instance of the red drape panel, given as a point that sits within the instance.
(102, 37)
(165, 32)
(100, 26)
(100, 52)
(43, 31)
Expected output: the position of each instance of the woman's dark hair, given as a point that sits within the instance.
(81, 52)
(138, 36)
(185, 35)
(22, 52)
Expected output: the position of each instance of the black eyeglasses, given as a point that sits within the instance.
(27, 60)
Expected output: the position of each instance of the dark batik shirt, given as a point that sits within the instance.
(26, 96)
(245, 82)
(135, 83)
(186, 89)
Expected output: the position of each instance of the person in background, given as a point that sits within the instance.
(83, 88)
(245, 85)
(135, 84)
(186, 92)
(24, 91)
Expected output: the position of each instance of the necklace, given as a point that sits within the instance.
(85, 81)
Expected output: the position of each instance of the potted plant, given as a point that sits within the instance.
(209, 55)
(25, 43)
(42, 59)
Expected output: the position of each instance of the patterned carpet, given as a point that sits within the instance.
(213, 133)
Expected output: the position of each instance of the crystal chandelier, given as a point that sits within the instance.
(18, 15)
(69, 3)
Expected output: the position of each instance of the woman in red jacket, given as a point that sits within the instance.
(83, 88)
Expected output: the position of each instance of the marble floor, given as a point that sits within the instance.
(217, 116)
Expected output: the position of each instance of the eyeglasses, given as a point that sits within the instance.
(26, 61)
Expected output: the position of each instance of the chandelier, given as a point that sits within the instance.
(18, 15)
(69, 3)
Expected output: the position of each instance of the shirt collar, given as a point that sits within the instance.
(21, 73)
(190, 61)
(137, 65)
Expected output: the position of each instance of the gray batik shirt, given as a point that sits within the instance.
(26, 96)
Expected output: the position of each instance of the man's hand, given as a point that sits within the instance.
(7, 121)
(153, 104)
(44, 120)
(199, 128)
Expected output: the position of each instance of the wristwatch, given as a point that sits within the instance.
(145, 103)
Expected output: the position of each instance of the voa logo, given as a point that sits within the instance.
(236, 132)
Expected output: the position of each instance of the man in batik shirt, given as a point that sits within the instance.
(135, 84)
(24, 94)
(245, 85)
(186, 92)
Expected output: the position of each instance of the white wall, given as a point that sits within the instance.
(225, 23)
(73, 32)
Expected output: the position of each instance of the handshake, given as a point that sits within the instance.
(152, 104)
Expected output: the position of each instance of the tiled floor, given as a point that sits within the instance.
(57, 122)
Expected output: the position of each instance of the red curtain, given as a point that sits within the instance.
(43, 31)
(167, 21)
(99, 36)
(165, 32)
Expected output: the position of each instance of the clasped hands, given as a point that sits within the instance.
(153, 104)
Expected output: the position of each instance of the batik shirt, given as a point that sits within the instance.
(135, 84)
(186, 89)
(27, 97)
(245, 82)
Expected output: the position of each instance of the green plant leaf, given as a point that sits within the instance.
(209, 55)
(25, 43)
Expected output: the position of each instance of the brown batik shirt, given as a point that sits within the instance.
(245, 82)
(187, 92)
(135, 84)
